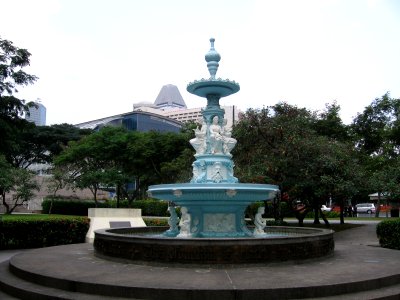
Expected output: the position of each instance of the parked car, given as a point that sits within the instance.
(368, 208)
(325, 208)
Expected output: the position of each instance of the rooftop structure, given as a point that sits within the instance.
(136, 120)
(169, 98)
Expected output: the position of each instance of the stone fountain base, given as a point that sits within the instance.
(148, 245)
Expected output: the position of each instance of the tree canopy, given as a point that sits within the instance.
(305, 154)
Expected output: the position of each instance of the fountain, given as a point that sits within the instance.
(212, 227)
(213, 204)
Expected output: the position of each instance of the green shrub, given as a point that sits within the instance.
(277, 223)
(22, 232)
(80, 207)
(70, 207)
(251, 210)
(388, 233)
(328, 214)
(155, 222)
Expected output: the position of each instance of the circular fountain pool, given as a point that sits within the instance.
(147, 244)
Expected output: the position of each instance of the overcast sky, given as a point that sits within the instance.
(95, 58)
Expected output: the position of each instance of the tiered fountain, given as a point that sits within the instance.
(212, 228)
(213, 204)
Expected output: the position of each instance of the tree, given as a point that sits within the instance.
(6, 180)
(92, 160)
(376, 133)
(377, 129)
(56, 182)
(12, 62)
(281, 144)
(149, 156)
(329, 124)
(18, 182)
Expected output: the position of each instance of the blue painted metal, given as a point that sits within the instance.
(215, 200)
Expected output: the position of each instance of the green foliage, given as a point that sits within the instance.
(130, 160)
(388, 233)
(80, 207)
(155, 222)
(251, 210)
(22, 232)
(152, 207)
(12, 109)
(328, 214)
(70, 207)
(299, 151)
(19, 181)
(12, 60)
(330, 124)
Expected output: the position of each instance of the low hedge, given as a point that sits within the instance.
(20, 233)
(155, 222)
(80, 207)
(388, 233)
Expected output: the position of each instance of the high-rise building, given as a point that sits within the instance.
(37, 114)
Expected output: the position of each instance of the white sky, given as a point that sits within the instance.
(95, 58)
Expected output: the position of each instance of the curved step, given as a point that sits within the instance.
(75, 269)
(17, 288)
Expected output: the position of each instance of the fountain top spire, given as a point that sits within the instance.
(212, 58)
(216, 87)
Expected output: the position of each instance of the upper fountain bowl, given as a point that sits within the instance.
(212, 86)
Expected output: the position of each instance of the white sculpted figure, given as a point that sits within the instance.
(259, 222)
(216, 138)
(184, 223)
(229, 141)
(173, 219)
(172, 222)
(199, 142)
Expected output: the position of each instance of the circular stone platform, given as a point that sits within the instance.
(74, 272)
(148, 244)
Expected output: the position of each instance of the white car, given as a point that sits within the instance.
(368, 208)
(325, 208)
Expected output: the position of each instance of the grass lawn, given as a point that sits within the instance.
(334, 227)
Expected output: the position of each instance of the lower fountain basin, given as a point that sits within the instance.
(143, 244)
(215, 209)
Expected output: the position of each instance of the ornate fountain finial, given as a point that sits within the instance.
(212, 58)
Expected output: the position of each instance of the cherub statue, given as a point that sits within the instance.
(199, 142)
(172, 222)
(229, 141)
(259, 222)
(184, 223)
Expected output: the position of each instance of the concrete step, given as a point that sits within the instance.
(75, 272)
(13, 287)
(385, 293)
(24, 287)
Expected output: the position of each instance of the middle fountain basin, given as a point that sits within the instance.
(215, 209)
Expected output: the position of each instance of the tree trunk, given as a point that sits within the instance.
(324, 218)
(341, 205)
(316, 216)
(118, 194)
(3, 196)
